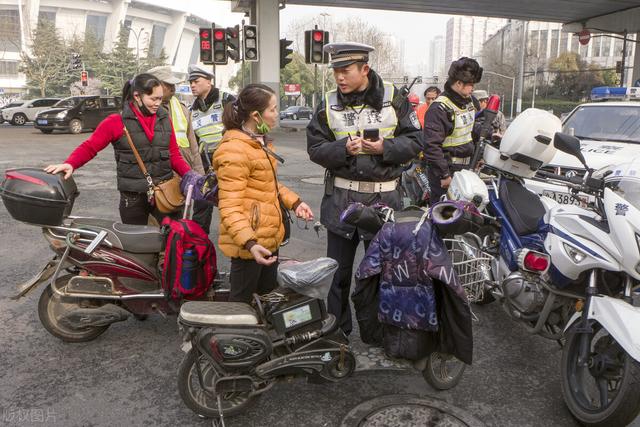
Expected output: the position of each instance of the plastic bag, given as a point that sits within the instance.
(310, 278)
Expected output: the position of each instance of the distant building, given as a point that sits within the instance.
(436, 65)
(467, 34)
(159, 24)
(546, 41)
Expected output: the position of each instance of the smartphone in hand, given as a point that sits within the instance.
(371, 134)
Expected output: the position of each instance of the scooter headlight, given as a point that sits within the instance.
(575, 255)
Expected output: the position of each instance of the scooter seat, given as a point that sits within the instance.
(139, 239)
(218, 313)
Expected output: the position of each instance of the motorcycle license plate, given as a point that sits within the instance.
(42, 122)
(565, 198)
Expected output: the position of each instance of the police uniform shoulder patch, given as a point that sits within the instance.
(414, 120)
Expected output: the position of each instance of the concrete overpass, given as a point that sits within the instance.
(615, 16)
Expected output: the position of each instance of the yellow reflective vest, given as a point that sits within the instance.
(463, 119)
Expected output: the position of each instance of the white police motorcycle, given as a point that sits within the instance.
(583, 264)
(599, 248)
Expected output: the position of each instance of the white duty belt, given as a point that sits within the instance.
(365, 186)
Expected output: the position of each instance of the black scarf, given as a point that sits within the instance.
(212, 97)
(373, 95)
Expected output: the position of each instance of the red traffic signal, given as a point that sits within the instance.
(84, 76)
(314, 42)
(205, 46)
(218, 35)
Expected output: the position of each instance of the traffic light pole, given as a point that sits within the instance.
(242, 63)
(315, 85)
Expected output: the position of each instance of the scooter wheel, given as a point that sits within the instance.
(51, 308)
(202, 402)
(443, 371)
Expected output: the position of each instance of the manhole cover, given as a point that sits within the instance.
(408, 411)
(319, 180)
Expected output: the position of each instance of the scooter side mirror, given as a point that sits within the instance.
(569, 144)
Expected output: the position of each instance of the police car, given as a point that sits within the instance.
(609, 134)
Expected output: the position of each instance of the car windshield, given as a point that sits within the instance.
(627, 188)
(606, 123)
(68, 102)
(291, 109)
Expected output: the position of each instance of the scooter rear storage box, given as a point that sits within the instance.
(31, 195)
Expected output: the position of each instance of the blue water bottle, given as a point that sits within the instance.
(187, 275)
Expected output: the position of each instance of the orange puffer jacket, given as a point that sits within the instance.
(248, 202)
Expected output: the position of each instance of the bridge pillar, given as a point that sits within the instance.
(266, 15)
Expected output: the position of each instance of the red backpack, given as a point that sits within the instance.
(189, 260)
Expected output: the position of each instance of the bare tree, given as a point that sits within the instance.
(47, 64)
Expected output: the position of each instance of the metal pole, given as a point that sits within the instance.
(513, 92)
(523, 49)
(624, 54)
(242, 63)
(315, 85)
(535, 80)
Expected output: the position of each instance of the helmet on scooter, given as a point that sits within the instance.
(527, 144)
(455, 217)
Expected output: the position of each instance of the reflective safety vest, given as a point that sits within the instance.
(208, 125)
(463, 119)
(345, 121)
(180, 123)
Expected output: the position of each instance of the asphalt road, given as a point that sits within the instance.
(128, 375)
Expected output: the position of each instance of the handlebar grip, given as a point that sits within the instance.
(572, 180)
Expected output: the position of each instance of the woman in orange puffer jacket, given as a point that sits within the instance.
(251, 227)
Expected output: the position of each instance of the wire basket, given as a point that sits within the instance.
(472, 266)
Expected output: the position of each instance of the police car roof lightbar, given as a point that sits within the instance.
(605, 93)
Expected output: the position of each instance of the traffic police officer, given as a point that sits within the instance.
(358, 169)
(206, 111)
(450, 125)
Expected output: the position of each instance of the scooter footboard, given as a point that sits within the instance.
(619, 318)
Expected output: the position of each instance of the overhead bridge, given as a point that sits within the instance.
(608, 16)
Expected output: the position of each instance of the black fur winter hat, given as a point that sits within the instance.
(466, 70)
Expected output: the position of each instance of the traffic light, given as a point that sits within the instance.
(250, 41)
(84, 78)
(219, 46)
(285, 52)
(76, 61)
(205, 46)
(314, 41)
(233, 42)
(619, 67)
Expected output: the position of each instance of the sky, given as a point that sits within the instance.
(415, 29)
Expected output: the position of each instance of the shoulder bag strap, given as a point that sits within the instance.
(138, 159)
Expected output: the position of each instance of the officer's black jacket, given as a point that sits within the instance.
(438, 125)
(324, 150)
(332, 154)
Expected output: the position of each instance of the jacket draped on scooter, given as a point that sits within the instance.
(407, 290)
(248, 200)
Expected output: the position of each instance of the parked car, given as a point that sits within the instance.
(9, 105)
(76, 113)
(27, 112)
(609, 134)
(296, 112)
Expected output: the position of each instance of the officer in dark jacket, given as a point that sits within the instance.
(450, 125)
(360, 167)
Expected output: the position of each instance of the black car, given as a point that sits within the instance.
(296, 112)
(77, 113)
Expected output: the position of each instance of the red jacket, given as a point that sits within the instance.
(110, 130)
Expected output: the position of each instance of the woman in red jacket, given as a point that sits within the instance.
(152, 134)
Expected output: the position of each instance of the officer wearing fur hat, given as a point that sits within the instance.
(450, 125)
(206, 111)
(359, 167)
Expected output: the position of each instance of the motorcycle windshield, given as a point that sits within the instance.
(628, 189)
